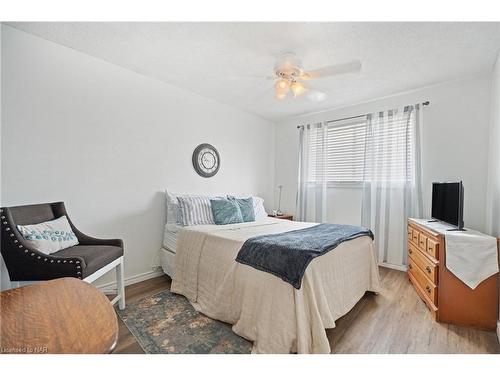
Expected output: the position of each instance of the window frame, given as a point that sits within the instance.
(356, 123)
(358, 120)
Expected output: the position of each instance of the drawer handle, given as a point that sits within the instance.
(428, 269)
(410, 266)
(410, 251)
(428, 288)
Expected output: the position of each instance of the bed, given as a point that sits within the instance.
(167, 252)
(277, 317)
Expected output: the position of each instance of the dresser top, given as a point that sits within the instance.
(435, 228)
(440, 228)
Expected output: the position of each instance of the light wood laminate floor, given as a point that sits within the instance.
(395, 321)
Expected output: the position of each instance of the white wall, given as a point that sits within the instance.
(455, 146)
(493, 197)
(108, 141)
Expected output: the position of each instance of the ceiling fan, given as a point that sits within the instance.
(290, 76)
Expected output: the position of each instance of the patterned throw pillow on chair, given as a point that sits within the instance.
(49, 236)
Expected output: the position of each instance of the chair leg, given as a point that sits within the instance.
(120, 285)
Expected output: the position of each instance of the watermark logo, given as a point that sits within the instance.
(24, 350)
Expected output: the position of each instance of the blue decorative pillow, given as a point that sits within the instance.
(246, 208)
(49, 236)
(226, 211)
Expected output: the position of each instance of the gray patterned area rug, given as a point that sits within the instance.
(167, 323)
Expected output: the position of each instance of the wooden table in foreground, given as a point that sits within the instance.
(59, 316)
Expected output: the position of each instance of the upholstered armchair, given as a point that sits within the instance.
(87, 261)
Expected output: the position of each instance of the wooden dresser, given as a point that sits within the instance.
(448, 298)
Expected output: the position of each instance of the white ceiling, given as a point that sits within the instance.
(206, 58)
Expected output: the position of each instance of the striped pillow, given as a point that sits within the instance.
(196, 210)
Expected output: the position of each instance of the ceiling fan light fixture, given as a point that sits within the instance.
(282, 87)
(297, 88)
(280, 96)
(316, 96)
(283, 84)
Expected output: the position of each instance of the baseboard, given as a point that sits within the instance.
(394, 266)
(111, 286)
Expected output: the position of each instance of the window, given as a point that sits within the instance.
(342, 159)
(345, 152)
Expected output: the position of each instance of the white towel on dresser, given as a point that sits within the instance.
(471, 256)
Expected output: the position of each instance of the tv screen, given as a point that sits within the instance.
(447, 202)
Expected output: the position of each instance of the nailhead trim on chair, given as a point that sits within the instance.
(77, 270)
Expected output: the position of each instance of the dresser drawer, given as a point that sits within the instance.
(414, 236)
(432, 248)
(429, 267)
(423, 282)
(422, 241)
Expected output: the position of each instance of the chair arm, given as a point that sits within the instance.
(83, 239)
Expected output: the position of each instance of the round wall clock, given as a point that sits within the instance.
(206, 160)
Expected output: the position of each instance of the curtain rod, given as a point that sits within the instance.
(353, 117)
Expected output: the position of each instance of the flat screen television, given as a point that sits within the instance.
(448, 203)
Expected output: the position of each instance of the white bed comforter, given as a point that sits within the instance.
(263, 308)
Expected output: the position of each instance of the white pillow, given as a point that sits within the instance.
(174, 215)
(258, 208)
(49, 236)
(196, 210)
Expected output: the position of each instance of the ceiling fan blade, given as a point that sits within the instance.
(264, 94)
(349, 67)
(251, 77)
(316, 95)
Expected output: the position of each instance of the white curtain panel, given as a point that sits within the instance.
(391, 175)
(392, 180)
(311, 196)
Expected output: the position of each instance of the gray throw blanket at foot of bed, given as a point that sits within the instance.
(287, 255)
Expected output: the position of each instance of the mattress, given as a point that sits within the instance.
(170, 236)
(167, 261)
